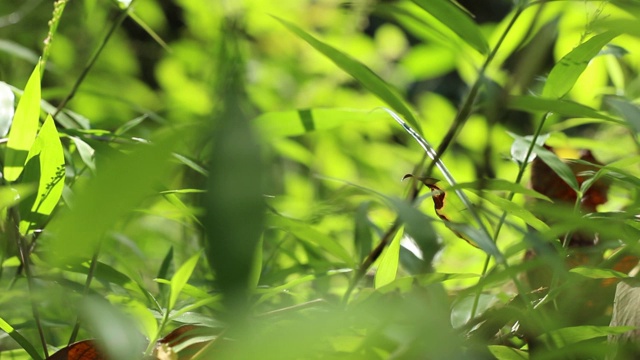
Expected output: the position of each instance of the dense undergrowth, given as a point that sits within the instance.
(260, 176)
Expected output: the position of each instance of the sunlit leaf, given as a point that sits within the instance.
(292, 123)
(595, 273)
(562, 107)
(574, 334)
(23, 130)
(11, 195)
(457, 20)
(45, 167)
(180, 278)
(388, 265)
(502, 352)
(565, 73)
(500, 185)
(21, 340)
(521, 145)
(360, 72)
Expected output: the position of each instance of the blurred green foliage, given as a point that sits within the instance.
(253, 132)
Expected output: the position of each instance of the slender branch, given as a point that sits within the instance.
(116, 24)
(24, 259)
(459, 121)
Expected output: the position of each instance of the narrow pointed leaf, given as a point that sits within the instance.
(561, 107)
(358, 71)
(180, 278)
(629, 111)
(24, 128)
(457, 20)
(297, 122)
(122, 183)
(45, 167)
(388, 266)
(567, 71)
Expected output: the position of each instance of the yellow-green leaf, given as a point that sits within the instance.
(23, 130)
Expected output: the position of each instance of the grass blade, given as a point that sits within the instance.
(455, 19)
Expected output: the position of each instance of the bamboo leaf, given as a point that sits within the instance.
(358, 71)
(629, 111)
(180, 278)
(457, 20)
(23, 130)
(562, 107)
(297, 122)
(567, 71)
(388, 265)
(21, 340)
(45, 167)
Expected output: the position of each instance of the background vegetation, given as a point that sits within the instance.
(238, 166)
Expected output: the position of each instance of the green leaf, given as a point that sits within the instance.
(521, 145)
(500, 185)
(21, 340)
(388, 265)
(308, 234)
(561, 107)
(24, 128)
(45, 167)
(12, 195)
(566, 72)
(418, 226)
(6, 108)
(560, 168)
(121, 184)
(571, 335)
(256, 268)
(628, 110)
(595, 273)
(514, 209)
(457, 20)
(358, 71)
(362, 234)
(297, 122)
(502, 352)
(180, 278)
(85, 151)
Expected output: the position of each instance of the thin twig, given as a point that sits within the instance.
(116, 24)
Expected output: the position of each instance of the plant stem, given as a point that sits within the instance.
(116, 24)
(85, 292)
